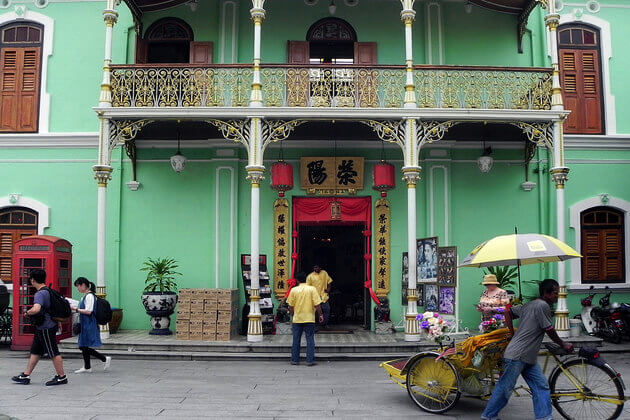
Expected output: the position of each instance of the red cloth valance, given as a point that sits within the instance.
(317, 209)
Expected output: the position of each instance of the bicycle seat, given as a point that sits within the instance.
(556, 349)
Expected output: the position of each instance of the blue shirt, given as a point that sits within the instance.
(43, 298)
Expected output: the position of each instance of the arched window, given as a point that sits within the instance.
(171, 40)
(580, 68)
(331, 41)
(20, 68)
(15, 223)
(602, 245)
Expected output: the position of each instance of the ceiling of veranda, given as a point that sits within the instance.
(332, 131)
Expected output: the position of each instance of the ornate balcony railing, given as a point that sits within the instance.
(340, 87)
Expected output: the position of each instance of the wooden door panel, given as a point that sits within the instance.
(592, 115)
(298, 52)
(365, 53)
(201, 52)
(572, 104)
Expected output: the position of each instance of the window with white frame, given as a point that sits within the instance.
(600, 225)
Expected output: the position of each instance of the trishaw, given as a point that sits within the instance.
(582, 387)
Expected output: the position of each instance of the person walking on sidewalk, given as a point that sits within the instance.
(321, 281)
(303, 301)
(90, 335)
(522, 351)
(44, 339)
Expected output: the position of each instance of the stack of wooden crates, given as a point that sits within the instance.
(207, 314)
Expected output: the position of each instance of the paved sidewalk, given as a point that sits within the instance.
(225, 389)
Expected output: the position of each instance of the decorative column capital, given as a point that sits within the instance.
(102, 174)
(257, 12)
(411, 175)
(408, 16)
(552, 21)
(110, 16)
(255, 175)
(560, 175)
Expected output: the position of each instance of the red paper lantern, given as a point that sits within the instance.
(281, 177)
(384, 179)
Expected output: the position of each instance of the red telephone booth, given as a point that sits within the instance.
(53, 255)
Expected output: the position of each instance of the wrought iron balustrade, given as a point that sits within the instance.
(339, 87)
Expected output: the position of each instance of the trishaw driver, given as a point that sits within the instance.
(522, 351)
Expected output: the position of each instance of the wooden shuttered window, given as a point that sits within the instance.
(602, 247)
(581, 86)
(580, 75)
(8, 237)
(19, 84)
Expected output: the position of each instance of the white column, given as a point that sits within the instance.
(559, 172)
(103, 170)
(255, 171)
(258, 15)
(407, 16)
(411, 175)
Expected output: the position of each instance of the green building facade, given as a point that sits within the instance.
(236, 86)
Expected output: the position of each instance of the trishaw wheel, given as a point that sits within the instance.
(433, 384)
(586, 391)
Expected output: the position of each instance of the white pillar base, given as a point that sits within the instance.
(258, 338)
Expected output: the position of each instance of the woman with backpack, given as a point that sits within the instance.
(90, 335)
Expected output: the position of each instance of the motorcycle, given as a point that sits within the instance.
(587, 319)
(609, 324)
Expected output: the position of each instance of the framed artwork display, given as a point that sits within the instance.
(405, 277)
(447, 266)
(426, 249)
(447, 300)
(431, 297)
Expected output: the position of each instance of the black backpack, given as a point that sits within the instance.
(59, 307)
(103, 311)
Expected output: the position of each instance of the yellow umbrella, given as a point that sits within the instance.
(519, 249)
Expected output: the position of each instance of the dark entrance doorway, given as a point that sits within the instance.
(338, 249)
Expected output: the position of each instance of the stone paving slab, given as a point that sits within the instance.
(261, 390)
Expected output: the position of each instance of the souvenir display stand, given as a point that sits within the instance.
(266, 304)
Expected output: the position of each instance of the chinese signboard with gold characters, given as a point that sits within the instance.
(331, 175)
(281, 256)
(382, 241)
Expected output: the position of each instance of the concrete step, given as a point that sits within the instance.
(282, 345)
(267, 356)
(239, 348)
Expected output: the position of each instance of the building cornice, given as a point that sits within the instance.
(314, 114)
(597, 142)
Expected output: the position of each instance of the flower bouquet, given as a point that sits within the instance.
(492, 324)
(433, 325)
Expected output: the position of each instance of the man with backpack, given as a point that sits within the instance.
(44, 340)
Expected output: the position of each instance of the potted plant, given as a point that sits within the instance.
(505, 277)
(159, 297)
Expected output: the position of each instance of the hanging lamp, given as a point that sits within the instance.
(281, 175)
(485, 161)
(178, 161)
(383, 174)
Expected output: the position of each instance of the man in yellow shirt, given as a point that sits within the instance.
(321, 281)
(303, 301)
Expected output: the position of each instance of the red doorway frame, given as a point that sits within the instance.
(318, 210)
